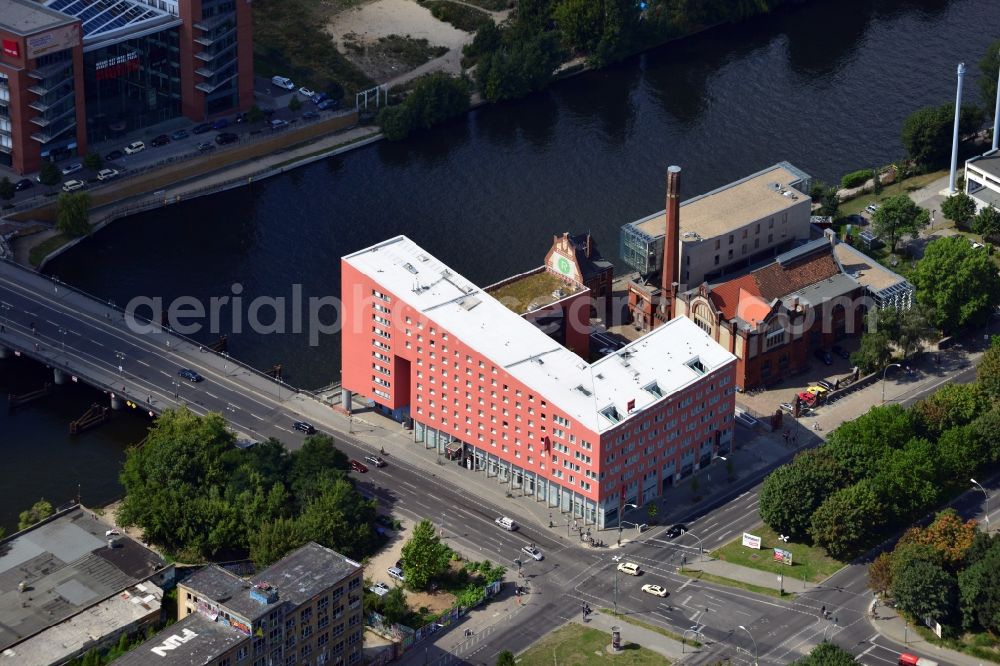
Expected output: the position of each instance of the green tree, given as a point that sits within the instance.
(38, 512)
(960, 209)
(925, 590)
(908, 328)
(518, 69)
(437, 98)
(861, 444)
(908, 479)
(898, 216)
(958, 282)
(295, 104)
(396, 122)
(254, 114)
(73, 213)
(948, 535)
(927, 132)
(979, 587)
(651, 511)
(792, 493)
(988, 370)
(93, 162)
(313, 464)
(424, 556)
(274, 539)
(984, 429)
(874, 351)
(876, 182)
(827, 654)
(394, 607)
(50, 174)
(987, 222)
(989, 66)
(848, 520)
(951, 406)
(880, 573)
(487, 40)
(7, 190)
(829, 202)
(506, 658)
(339, 517)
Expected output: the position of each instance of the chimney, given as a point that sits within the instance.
(590, 245)
(671, 240)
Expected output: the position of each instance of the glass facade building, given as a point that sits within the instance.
(131, 84)
(217, 61)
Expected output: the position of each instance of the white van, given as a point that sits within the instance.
(506, 523)
(283, 82)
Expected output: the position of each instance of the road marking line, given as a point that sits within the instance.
(257, 417)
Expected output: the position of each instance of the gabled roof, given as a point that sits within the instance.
(592, 265)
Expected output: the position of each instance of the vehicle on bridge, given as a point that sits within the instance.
(655, 590)
(304, 426)
(189, 374)
(913, 660)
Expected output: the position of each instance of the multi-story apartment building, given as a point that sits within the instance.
(711, 235)
(74, 72)
(486, 387)
(305, 609)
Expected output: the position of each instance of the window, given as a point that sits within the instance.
(774, 338)
(731, 238)
(716, 260)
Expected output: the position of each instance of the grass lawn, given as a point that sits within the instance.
(729, 582)
(652, 627)
(582, 646)
(858, 204)
(521, 293)
(808, 562)
(43, 249)
(462, 17)
(982, 646)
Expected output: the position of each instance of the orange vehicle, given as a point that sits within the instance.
(913, 660)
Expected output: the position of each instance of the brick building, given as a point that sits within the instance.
(489, 389)
(76, 72)
(304, 609)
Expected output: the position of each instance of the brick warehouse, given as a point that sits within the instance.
(486, 387)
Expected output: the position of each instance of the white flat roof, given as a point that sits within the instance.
(670, 357)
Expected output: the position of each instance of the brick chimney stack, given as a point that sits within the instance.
(671, 241)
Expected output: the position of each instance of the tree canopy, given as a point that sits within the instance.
(73, 213)
(897, 217)
(827, 654)
(848, 520)
(960, 209)
(958, 282)
(38, 512)
(927, 132)
(424, 556)
(987, 222)
(792, 492)
(989, 66)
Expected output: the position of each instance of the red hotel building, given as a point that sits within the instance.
(485, 387)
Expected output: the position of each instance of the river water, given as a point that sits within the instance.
(825, 85)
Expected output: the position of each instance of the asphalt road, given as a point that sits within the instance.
(90, 339)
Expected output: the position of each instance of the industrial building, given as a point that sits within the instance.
(69, 584)
(76, 72)
(304, 609)
(982, 179)
(711, 235)
(486, 387)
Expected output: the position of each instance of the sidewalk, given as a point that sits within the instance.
(894, 628)
(631, 633)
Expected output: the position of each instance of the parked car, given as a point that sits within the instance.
(135, 147)
(240, 117)
(304, 426)
(817, 390)
(310, 115)
(226, 137)
(379, 589)
(630, 568)
(190, 375)
(221, 123)
(375, 460)
(824, 356)
(205, 146)
(328, 104)
(808, 398)
(320, 97)
(655, 590)
(871, 208)
(305, 92)
(278, 123)
(160, 140)
(107, 174)
(396, 572)
(72, 168)
(71, 185)
(283, 82)
(824, 384)
(358, 467)
(788, 407)
(179, 134)
(113, 155)
(23, 184)
(841, 352)
(202, 128)
(533, 553)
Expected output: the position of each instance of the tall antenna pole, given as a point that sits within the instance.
(996, 114)
(954, 135)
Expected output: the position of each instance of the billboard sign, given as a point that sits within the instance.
(114, 67)
(59, 39)
(783, 556)
(751, 541)
(11, 48)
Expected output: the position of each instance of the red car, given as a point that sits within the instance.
(358, 467)
(808, 399)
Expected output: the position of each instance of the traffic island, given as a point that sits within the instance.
(587, 646)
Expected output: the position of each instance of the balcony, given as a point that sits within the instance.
(39, 89)
(205, 71)
(48, 135)
(210, 24)
(204, 40)
(207, 87)
(50, 71)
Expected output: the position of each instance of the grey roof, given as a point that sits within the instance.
(299, 576)
(66, 566)
(824, 290)
(24, 17)
(988, 162)
(209, 641)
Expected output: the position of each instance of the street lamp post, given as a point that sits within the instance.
(978, 485)
(64, 332)
(620, 518)
(891, 365)
(754, 644)
(616, 558)
(121, 361)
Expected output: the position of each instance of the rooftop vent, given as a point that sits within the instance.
(584, 390)
(611, 414)
(775, 187)
(410, 267)
(264, 593)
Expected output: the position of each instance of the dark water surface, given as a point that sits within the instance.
(825, 86)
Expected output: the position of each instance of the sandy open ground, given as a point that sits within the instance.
(382, 18)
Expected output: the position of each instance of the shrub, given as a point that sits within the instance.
(856, 178)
